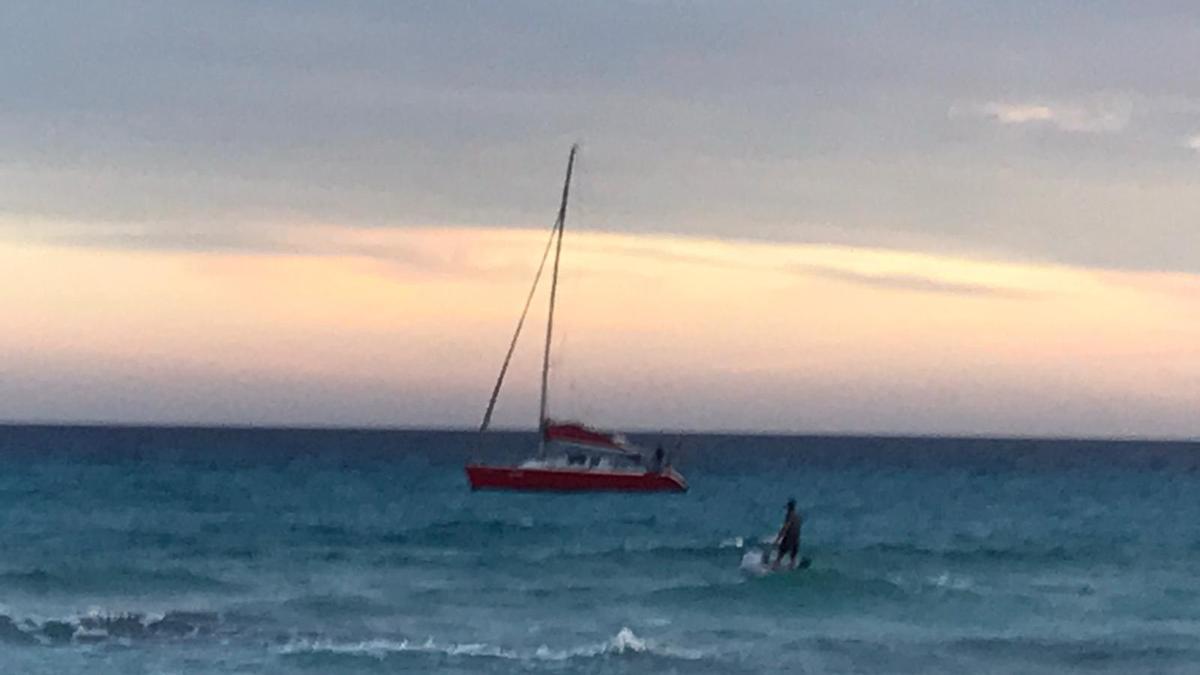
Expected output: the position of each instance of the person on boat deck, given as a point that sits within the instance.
(659, 460)
(787, 542)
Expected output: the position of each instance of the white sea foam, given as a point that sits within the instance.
(625, 642)
(380, 648)
(752, 563)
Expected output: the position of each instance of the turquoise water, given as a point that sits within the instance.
(236, 551)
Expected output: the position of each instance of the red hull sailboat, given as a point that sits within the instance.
(571, 480)
(571, 457)
(592, 461)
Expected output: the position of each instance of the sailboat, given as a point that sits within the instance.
(571, 456)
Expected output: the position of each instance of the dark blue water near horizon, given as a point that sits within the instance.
(229, 550)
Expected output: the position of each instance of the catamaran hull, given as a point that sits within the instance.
(571, 480)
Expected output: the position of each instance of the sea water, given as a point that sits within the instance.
(132, 550)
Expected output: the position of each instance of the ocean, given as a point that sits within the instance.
(181, 550)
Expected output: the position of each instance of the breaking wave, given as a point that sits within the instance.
(101, 627)
(625, 644)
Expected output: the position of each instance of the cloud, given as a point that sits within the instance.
(249, 240)
(193, 119)
(477, 253)
(1017, 113)
(1106, 117)
(914, 282)
(1193, 142)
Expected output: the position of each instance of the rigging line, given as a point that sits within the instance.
(512, 346)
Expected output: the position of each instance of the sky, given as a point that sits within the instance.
(861, 217)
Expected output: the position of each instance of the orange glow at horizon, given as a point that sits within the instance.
(412, 308)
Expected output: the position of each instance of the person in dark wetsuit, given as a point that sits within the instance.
(788, 541)
(659, 459)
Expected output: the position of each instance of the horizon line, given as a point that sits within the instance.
(92, 424)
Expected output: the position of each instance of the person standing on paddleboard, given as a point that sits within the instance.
(787, 542)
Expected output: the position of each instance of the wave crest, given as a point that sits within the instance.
(101, 627)
(624, 643)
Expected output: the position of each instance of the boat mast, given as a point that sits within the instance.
(562, 217)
